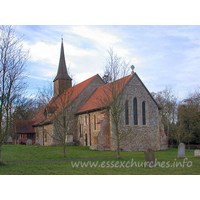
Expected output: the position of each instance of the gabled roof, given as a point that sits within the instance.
(70, 95)
(24, 126)
(103, 95)
(148, 92)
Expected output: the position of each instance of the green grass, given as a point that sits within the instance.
(30, 153)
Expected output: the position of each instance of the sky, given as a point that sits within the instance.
(163, 55)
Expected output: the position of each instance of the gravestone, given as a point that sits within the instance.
(9, 140)
(181, 150)
(37, 141)
(149, 157)
(197, 153)
(29, 142)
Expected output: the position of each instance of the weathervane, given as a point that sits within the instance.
(132, 67)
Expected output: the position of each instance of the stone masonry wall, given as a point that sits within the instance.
(89, 129)
(141, 137)
(103, 138)
(78, 102)
(99, 136)
(44, 134)
(83, 97)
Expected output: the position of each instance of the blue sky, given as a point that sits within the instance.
(162, 55)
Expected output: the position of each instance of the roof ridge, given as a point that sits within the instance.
(39, 118)
(89, 102)
(116, 80)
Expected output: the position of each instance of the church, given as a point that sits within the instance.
(87, 118)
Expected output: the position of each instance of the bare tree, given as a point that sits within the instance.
(168, 103)
(12, 66)
(189, 119)
(115, 71)
(64, 122)
(44, 94)
(21, 109)
(60, 111)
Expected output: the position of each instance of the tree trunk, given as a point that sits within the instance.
(64, 153)
(0, 155)
(169, 136)
(118, 152)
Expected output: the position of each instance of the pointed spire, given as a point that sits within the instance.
(62, 69)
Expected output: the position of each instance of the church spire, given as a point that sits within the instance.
(62, 80)
(62, 69)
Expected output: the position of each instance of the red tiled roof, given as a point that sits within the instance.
(24, 126)
(69, 95)
(102, 96)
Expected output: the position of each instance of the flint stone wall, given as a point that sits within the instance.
(141, 137)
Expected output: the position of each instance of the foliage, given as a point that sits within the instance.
(189, 119)
(181, 119)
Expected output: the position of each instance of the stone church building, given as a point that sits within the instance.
(89, 123)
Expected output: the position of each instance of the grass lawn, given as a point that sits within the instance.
(108, 165)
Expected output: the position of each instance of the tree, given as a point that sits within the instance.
(12, 67)
(23, 108)
(64, 118)
(189, 119)
(44, 94)
(116, 68)
(168, 103)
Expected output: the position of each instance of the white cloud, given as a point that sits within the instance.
(44, 53)
(36, 77)
(101, 37)
(166, 55)
(79, 77)
(50, 53)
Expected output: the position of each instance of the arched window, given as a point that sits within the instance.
(126, 113)
(135, 111)
(80, 129)
(143, 113)
(95, 123)
(45, 137)
(85, 119)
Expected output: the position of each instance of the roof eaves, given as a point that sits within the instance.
(92, 110)
(42, 124)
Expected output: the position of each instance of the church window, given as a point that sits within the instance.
(80, 129)
(95, 123)
(135, 111)
(126, 113)
(85, 119)
(45, 137)
(143, 113)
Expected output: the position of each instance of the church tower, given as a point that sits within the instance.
(62, 80)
